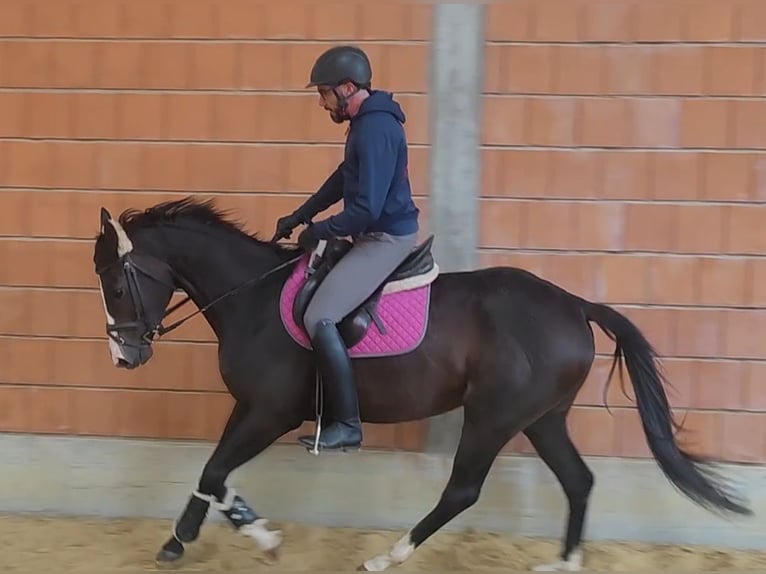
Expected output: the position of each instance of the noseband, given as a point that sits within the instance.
(134, 264)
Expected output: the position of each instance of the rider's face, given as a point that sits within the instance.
(329, 101)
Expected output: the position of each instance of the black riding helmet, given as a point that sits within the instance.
(341, 64)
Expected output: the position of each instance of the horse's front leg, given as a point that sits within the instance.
(247, 433)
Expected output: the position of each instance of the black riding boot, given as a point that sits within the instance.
(339, 386)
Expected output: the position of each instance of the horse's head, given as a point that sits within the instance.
(136, 288)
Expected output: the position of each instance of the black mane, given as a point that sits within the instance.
(194, 210)
(185, 209)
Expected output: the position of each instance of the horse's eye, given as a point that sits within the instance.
(119, 293)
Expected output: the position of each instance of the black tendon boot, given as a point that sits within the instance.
(339, 386)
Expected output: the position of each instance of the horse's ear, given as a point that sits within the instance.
(105, 217)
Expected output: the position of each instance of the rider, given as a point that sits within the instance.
(378, 214)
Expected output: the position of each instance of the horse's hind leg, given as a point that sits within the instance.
(497, 407)
(550, 437)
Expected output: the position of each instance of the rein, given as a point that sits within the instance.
(160, 329)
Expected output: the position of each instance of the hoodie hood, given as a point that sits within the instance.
(380, 101)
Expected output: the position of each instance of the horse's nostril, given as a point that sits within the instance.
(122, 363)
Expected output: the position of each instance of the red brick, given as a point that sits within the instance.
(659, 21)
(505, 120)
(191, 18)
(335, 20)
(73, 165)
(239, 19)
(164, 166)
(96, 19)
(756, 279)
(702, 432)
(410, 64)
(579, 70)
(494, 69)
(382, 21)
(576, 174)
(285, 21)
(745, 225)
(674, 175)
(592, 430)
(744, 333)
(605, 122)
(214, 65)
(502, 223)
(12, 121)
(48, 115)
(744, 437)
(678, 70)
(212, 168)
(144, 19)
(723, 281)
(28, 163)
(509, 21)
(121, 64)
(751, 15)
(701, 228)
(719, 384)
(16, 20)
(622, 278)
(627, 70)
(625, 175)
(651, 227)
(710, 21)
(187, 116)
(558, 21)
(55, 20)
(730, 71)
(166, 65)
(141, 115)
(729, 176)
(755, 386)
(419, 21)
(94, 116)
(706, 123)
(630, 439)
(750, 126)
(119, 166)
(524, 173)
(655, 122)
(549, 225)
(672, 280)
(73, 65)
(528, 69)
(699, 332)
(306, 167)
(608, 21)
(26, 64)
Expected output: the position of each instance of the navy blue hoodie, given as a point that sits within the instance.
(372, 180)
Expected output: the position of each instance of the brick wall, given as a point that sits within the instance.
(602, 119)
(623, 156)
(127, 103)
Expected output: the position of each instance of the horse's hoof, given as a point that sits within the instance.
(273, 553)
(167, 557)
(361, 568)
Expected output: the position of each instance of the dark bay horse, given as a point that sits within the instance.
(510, 347)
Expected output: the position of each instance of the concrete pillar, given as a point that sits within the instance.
(457, 77)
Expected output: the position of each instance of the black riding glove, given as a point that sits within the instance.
(285, 226)
(306, 240)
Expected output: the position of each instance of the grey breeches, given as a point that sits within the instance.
(355, 277)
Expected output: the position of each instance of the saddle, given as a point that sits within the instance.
(418, 269)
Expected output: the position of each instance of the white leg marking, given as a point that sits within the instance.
(266, 539)
(114, 348)
(571, 564)
(399, 553)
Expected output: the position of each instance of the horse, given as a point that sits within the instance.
(508, 346)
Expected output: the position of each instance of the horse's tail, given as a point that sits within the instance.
(693, 475)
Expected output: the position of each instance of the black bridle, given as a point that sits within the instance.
(134, 264)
